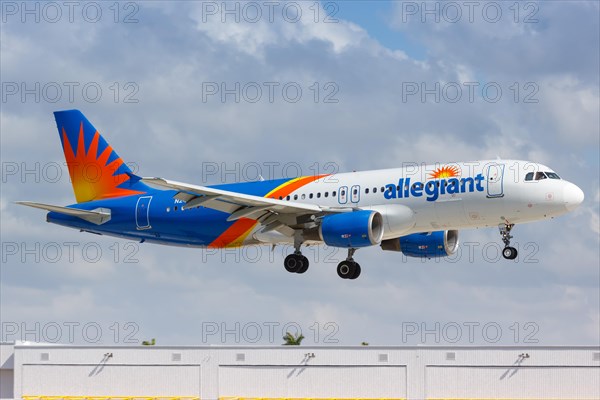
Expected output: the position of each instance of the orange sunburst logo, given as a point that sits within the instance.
(445, 172)
(93, 176)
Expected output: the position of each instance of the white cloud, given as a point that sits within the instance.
(252, 34)
(572, 106)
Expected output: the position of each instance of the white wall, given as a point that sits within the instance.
(576, 383)
(211, 372)
(111, 380)
(312, 381)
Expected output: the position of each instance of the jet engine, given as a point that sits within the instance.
(352, 229)
(428, 244)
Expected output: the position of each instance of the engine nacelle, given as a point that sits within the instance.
(431, 244)
(352, 229)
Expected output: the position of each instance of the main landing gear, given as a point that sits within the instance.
(296, 263)
(349, 269)
(510, 253)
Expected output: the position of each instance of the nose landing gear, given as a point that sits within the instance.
(510, 253)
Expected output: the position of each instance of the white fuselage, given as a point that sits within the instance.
(424, 198)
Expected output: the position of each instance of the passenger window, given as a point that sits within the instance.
(382, 189)
(326, 194)
(310, 196)
(374, 190)
(303, 196)
(367, 191)
(287, 198)
(343, 193)
(333, 194)
(319, 195)
(295, 197)
(529, 176)
(355, 192)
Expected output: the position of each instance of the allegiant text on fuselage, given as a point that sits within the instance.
(433, 188)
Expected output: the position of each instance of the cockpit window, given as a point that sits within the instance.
(541, 175)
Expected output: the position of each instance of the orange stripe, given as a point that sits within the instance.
(236, 230)
(292, 185)
(234, 235)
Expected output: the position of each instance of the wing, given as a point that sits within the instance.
(274, 214)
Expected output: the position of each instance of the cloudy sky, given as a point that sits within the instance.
(211, 92)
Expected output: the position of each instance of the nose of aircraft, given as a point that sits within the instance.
(572, 196)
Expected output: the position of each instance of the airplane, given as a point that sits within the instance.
(416, 209)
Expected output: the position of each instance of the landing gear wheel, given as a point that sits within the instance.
(304, 265)
(510, 253)
(296, 263)
(292, 263)
(356, 271)
(346, 269)
(349, 269)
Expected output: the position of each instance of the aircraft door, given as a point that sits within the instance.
(142, 212)
(343, 195)
(495, 175)
(355, 194)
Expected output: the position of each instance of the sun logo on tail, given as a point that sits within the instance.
(445, 172)
(94, 176)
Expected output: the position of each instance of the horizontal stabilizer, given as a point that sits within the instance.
(97, 216)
